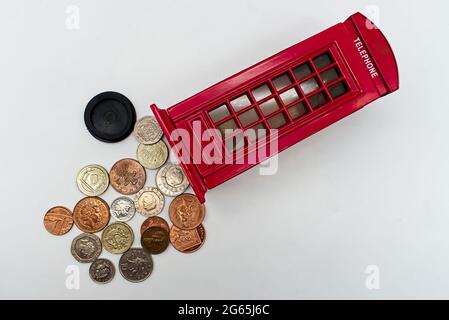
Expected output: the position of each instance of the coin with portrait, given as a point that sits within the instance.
(86, 247)
(91, 214)
(149, 201)
(171, 180)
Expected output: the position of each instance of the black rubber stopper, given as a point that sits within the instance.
(110, 117)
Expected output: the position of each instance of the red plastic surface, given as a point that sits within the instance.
(344, 67)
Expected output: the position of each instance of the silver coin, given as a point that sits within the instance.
(147, 130)
(86, 247)
(135, 265)
(149, 201)
(102, 271)
(171, 180)
(123, 209)
(92, 180)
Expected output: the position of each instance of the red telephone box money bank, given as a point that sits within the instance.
(294, 93)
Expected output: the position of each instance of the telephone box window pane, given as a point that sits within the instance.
(259, 131)
(309, 86)
(282, 82)
(289, 96)
(248, 117)
(277, 121)
(261, 92)
(338, 90)
(219, 113)
(240, 103)
(298, 110)
(235, 143)
(322, 61)
(302, 71)
(318, 100)
(330, 75)
(230, 124)
(269, 107)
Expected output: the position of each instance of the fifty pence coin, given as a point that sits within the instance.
(147, 130)
(123, 209)
(171, 180)
(127, 176)
(187, 241)
(91, 214)
(152, 156)
(117, 237)
(149, 201)
(102, 271)
(58, 220)
(93, 180)
(186, 211)
(86, 247)
(136, 265)
(154, 222)
(155, 240)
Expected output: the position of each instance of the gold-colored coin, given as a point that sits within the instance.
(93, 180)
(117, 237)
(152, 156)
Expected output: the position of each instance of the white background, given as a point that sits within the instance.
(370, 190)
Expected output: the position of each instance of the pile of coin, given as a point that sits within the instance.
(128, 177)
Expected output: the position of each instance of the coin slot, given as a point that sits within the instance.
(248, 117)
(318, 100)
(289, 96)
(219, 113)
(261, 92)
(338, 90)
(322, 61)
(228, 125)
(240, 103)
(259, 131)
(302, 71)
(277, 121)
(282, 82)
(298, 110)
(269, 107)
(309, 86)
(330, 75)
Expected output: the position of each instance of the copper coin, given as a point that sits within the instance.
(187, 241)
(127, 176)
(91, 214)
(58, 220)
(154, 222)
(155, 240)
(186, 212)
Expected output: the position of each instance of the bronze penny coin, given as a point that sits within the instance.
(154, 222)
(91, 214)
(186, 211)
(58, 220)
(127, 176)
(155, 240)
(187, 241)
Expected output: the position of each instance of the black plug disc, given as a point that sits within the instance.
(110, 117)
